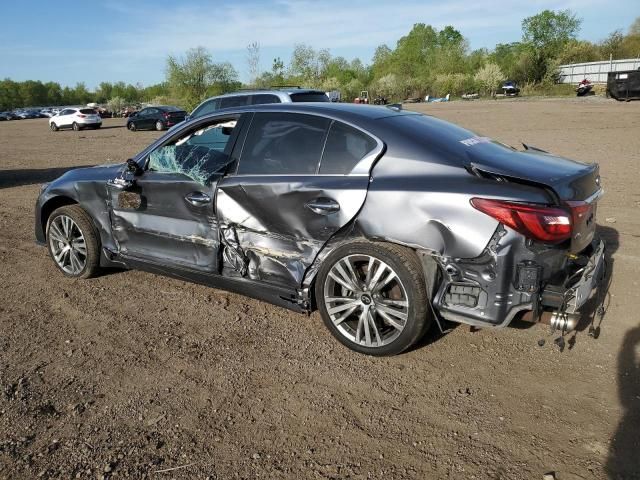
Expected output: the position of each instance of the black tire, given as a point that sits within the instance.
(76, 127)
(131, 126)
(408, 269)
(92, 241)
(53, 127)
(159, 126)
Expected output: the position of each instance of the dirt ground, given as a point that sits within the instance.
(135, 375)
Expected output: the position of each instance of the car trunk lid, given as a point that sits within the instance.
(575, 185)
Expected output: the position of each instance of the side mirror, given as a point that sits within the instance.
(133, 167)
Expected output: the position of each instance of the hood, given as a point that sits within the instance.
(97, 173)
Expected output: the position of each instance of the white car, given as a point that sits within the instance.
(76, 118)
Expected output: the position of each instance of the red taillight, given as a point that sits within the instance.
(165, 115)
(538, 222)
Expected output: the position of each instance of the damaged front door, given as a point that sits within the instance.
(297, 183)
(165, 213)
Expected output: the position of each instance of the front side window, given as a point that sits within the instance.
(345, 147)
(201, 154)
(283, 144)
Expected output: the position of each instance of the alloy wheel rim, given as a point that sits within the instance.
(68, 245)
(366, 300)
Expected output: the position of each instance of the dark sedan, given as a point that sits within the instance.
(384, 220)
(156, 118)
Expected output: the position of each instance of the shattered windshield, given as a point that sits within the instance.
(199, 155)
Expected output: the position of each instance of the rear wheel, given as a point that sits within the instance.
(73, 242)
(159, 126)
(373, 297)
(75, 127)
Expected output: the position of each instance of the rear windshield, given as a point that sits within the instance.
(88, 111)
(309, 97)
(172, 109)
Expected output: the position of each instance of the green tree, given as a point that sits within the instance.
(195, 75)
(33, 93)
(10, 95)
(576, 51)
(545, 35)
(613, 45)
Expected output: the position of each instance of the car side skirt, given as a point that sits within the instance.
(276, 295)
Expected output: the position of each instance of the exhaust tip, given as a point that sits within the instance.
(565, 322)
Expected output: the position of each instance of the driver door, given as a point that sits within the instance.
(164, 213)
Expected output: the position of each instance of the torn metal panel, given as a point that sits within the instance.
(502, 281)
(280, 223)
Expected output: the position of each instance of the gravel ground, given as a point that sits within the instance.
(135, 375)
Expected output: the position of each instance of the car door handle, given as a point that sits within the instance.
(198, 199)
(323, 206)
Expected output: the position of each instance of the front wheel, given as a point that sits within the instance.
(73, 242)
(373, 297)
(53, 127)
(131, 126)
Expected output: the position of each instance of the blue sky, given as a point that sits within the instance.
(90, 41)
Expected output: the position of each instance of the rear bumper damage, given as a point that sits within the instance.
(515, 277)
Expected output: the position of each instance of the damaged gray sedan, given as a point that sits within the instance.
(384, 220)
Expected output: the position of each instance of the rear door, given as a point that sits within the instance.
(300, 178)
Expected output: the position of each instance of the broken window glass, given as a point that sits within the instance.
(200, 155)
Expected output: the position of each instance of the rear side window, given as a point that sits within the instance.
(283, 144)
(309, 97)
(208, 107)
(345, 147)
(235, 101)
(264, 98)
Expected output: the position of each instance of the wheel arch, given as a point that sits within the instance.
(51, 205)
(58, 201)
(352, 233)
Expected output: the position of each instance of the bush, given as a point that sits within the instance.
(489, 77)
(454, 84)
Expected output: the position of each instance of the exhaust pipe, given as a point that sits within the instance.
(565, 322)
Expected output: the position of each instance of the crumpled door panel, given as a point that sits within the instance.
(268, 230)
